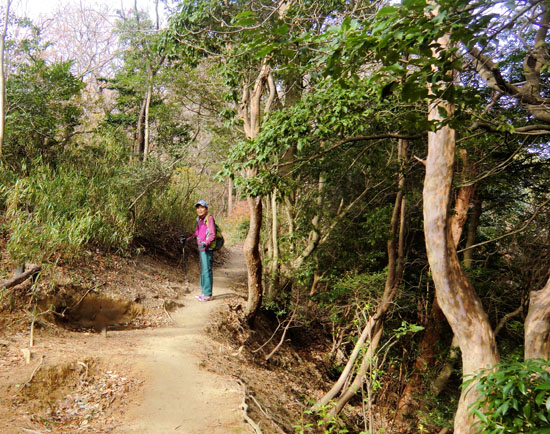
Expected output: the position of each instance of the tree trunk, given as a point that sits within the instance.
(462, 203)
(317, 276)
(250, 111)
(467, 259)
(317, 239)
(409, 400)
(140, 139)
(537, 325)
(275, 246)
(426, 355)
(253, 260)
(146, 129)
(18, 278)
(457, 298)
(3, 76)
(289, 210)
(229, 196)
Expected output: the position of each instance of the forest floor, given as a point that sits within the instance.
(167, 362)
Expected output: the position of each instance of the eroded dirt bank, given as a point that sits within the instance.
(144, 375)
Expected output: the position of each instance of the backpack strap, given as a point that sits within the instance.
(206, 223)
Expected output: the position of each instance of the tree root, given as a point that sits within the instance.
(33, 374)
(244, 407)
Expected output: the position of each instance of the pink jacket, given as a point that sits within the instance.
(203, 233)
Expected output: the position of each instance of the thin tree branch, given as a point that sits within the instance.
(517, 231)
(507, 318)
(282, 337)
(351, 140)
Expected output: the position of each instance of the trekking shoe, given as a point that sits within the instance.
(206, 298)
(199, 297)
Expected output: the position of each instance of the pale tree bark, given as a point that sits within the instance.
(315, 234)
(317, 277)
(149, 95)
(530, 94)
(143, 129)
(317, 237)
(3, 75)
(444, 375)
(253, 260)
(146, 128)
(463, 198)
(140, 139)
(537, 325)
(457, 298)
(289, 211)
(409, 402)
(267, 245)
(373, 329)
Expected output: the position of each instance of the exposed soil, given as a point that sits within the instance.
(75, 378)
(124, 347)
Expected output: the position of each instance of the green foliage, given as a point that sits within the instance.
(323, 422)
(242, 229)
(358, 286)
(311, 130)
(42, 110)
(86, 201)
(513, 397)
(59, 212)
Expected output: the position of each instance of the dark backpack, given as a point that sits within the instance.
(217, 244)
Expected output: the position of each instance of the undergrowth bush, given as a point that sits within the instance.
(94, 196)
(165, 214)
(513, 397)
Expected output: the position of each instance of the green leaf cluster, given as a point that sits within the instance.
(513, 397)
(42, 110)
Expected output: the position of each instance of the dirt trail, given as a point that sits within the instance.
(180, 394)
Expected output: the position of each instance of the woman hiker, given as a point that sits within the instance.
(205, 233)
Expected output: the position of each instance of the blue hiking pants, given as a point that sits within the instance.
(207, 277)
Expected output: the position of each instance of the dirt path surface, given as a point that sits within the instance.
(180, 395)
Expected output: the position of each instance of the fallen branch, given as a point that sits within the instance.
(269, 340)
(85, 366)
(79, 301)
(282, 337)
(20, 278)
(31, 338)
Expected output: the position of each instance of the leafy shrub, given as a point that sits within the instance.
(86, 200)
(58, 212)
(513, 397)
(242, 229)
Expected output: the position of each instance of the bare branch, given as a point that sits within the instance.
(517, 231)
